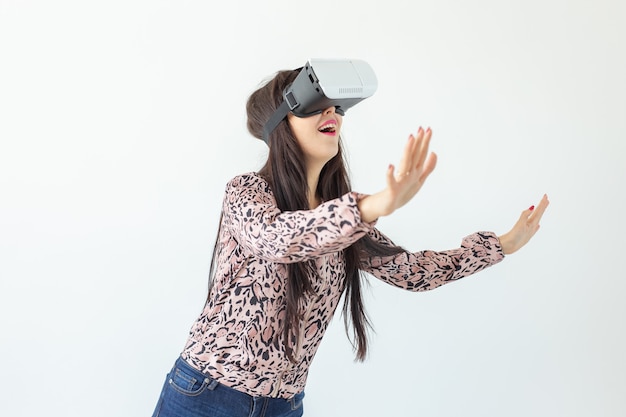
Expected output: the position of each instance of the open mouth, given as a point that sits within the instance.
(329, 128)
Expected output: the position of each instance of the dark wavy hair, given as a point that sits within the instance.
(285, 171)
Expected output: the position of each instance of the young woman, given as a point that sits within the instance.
(293, 239)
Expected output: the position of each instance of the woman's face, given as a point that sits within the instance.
(318, 135)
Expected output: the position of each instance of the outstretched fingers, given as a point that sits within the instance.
(429, 166)
(534, 217)
(422, 150)
(425, 162)
(525, 228)
(415, 158)
(408, 156)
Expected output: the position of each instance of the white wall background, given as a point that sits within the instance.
(121, 121)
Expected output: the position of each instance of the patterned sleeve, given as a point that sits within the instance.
(262, 230)
(426, 270)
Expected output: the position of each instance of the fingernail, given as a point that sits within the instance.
(420, 130)
(428, 130)
(531, 208)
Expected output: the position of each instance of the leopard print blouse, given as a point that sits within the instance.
(237, 338)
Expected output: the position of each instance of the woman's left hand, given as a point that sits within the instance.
(525, 228)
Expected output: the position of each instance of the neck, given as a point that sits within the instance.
(313, 177)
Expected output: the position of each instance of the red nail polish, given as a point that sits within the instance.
(531, 208)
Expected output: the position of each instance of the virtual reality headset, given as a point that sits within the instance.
(323, 83)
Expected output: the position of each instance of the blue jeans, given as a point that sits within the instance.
(188, 392)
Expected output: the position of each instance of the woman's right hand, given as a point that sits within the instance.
(415, 166)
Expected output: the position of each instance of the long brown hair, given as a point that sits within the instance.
(285, 171)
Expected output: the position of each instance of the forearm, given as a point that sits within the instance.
(251, 216)
(426, 270)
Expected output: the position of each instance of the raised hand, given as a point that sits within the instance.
(415, 166)
(525, 227)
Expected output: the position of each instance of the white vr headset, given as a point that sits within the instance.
(323, 83)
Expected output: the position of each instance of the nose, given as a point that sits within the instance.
(329, 110)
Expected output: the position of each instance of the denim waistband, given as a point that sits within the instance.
(198, 381)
